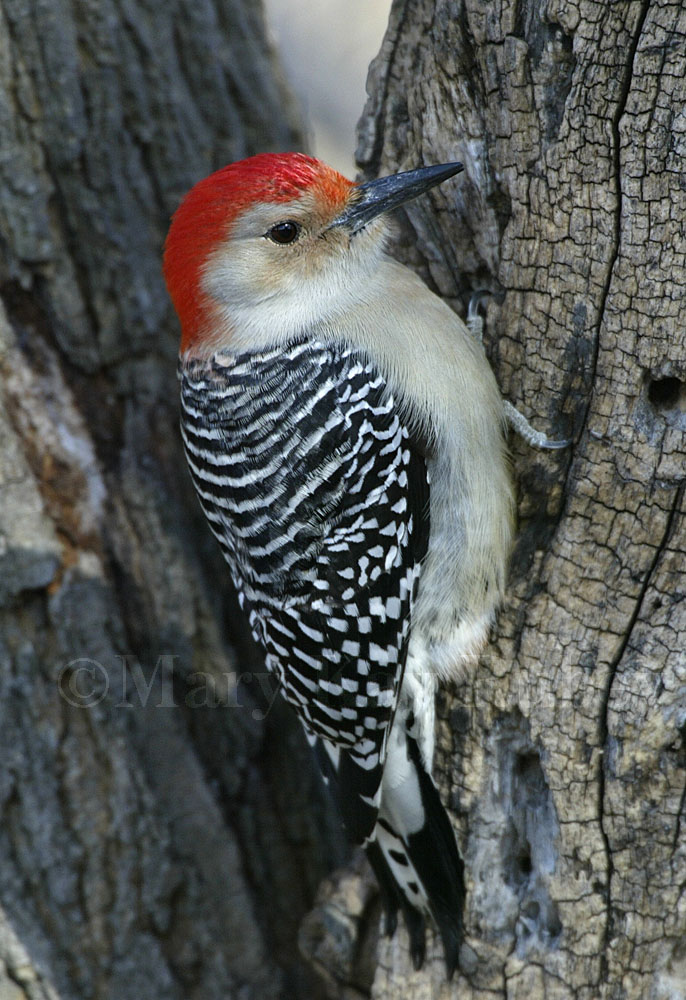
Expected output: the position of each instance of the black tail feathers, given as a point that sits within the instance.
(426, 866)
(433, 852)
(393, 898)
(418, 873)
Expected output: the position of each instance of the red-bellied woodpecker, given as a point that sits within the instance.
(345, 435)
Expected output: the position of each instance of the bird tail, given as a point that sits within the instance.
(414, 854)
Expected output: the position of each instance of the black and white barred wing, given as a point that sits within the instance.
(319, 498)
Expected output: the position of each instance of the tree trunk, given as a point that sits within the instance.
(156, 841)
(563, 756)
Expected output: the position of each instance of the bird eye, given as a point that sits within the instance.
(284, 232)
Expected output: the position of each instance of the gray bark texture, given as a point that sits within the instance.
(159, 841)
(563, 755)
(156, 840)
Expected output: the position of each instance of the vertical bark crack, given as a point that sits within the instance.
(617, 172)
(604, 725)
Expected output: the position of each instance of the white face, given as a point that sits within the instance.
(283, 269)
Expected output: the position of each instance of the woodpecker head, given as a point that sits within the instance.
(269, 246)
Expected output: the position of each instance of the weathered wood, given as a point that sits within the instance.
(563, 754)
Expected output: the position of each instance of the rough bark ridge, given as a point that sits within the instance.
(564, 756)
(151, 845)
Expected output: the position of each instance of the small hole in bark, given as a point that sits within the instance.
(524, 863)
(528, 766)
(667, 393)
(554, 924)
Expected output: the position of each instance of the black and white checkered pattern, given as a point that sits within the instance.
(318, 496)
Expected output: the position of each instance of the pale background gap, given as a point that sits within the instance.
(325, 48)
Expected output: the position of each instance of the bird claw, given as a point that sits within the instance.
(536, 439)
(517, 421)
(475, 321)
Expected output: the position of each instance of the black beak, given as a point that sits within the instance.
(371, 199)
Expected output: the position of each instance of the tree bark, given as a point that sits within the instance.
(155, 840)
(563, 755)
